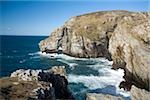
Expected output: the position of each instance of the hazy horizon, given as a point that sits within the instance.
(41, 18)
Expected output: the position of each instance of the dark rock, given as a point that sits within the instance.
(59, 83)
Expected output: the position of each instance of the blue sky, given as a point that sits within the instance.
(42, 17)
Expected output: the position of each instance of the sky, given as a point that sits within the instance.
(42, 17)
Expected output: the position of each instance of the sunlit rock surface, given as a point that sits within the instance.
(139, 94)
(99, 96)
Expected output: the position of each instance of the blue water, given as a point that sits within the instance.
(15, 53)
(83, 75)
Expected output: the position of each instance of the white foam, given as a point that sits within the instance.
(94, 82)
(71, 65)
(66, 57)
(35, 53)
(34, 57)
(102, 65)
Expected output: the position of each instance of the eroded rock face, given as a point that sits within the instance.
(85, 35)
(124, 35)
(130, 48)
(30, 84)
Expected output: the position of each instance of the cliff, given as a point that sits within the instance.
(121, 36)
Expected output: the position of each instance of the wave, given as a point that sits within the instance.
(106, 76)
(66, 57)
(95, 82)
(35, 53)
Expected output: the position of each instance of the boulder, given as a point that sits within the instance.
(99, 96)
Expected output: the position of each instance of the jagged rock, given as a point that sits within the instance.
(32, 75)
(26, 75)
(58, 70)
(59, 83)
(99, 96)
(30, 84)
(125, 35)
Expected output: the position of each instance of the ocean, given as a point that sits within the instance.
(92, 75)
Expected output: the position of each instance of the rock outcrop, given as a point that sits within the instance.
(139, 94)
(95, 96)
(121, 36)
(36, 85)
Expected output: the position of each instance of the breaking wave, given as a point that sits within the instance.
(35, 53)
(106, 76)
(96, 82)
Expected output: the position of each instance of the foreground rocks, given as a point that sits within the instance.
(36, 85)
(139, 94)
(95, 96)
(121, 36)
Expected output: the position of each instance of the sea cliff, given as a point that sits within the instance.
(121, 36)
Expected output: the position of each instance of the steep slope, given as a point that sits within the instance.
(121, 36)
(85, 35)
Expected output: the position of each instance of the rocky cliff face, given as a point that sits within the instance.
(85, 35)
(129, 46)
(121, 36)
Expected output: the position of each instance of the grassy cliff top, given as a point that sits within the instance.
(95, 25)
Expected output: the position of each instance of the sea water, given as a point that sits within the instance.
(93, 75)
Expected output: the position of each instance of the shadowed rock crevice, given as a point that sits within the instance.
(59, 83)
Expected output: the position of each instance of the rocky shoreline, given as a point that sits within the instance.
(121, 36)
(36, 85)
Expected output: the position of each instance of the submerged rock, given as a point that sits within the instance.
(36, 85)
